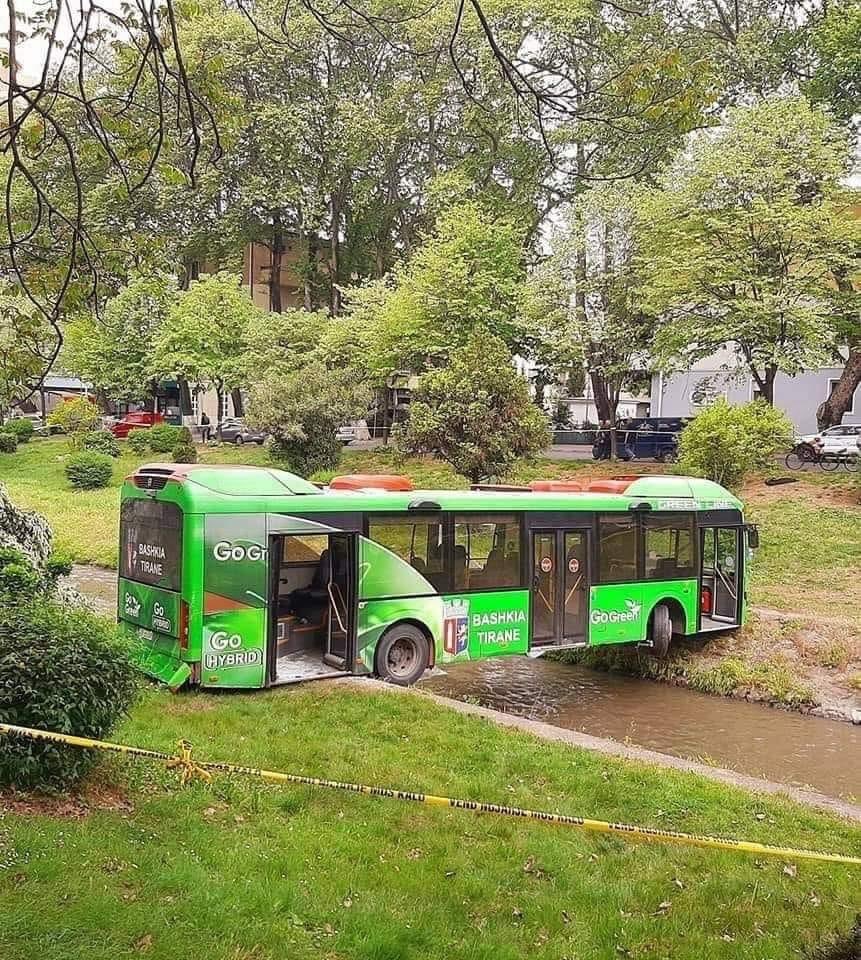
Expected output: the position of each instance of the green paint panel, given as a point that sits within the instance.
(235, 560)
(148, 607)
(376, 616)
(234, 648)
(480, 625)
(619, 613)
(383, 574)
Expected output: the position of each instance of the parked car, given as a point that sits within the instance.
(139, 420)
(346, 433)
(235, 430)
(643, 438)
(834, 440)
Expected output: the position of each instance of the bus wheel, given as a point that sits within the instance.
(402, 655)
(660, 630)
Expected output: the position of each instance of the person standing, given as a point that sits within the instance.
(204, 428)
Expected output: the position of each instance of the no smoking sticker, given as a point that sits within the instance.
(573, 565)
(546, 564)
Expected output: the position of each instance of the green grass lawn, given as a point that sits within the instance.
(239, 871)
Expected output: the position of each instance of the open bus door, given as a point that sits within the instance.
(341, 633)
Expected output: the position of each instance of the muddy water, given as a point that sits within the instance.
(748, 737)
(753, 739)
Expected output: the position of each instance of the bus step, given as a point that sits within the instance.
(536, 652)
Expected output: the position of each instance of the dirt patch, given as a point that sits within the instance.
(821, 494)
(75, 806)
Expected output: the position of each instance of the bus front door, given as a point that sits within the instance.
(341, 587)
(560, 587)
(721, 576)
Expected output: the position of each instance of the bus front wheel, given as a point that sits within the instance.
(660, 630)
(402, 655)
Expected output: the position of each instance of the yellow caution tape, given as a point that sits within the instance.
(191, 769)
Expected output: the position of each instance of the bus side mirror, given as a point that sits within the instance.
(752, 536)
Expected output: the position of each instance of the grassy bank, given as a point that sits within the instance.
(237, 871)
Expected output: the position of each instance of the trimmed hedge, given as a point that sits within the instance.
(102, 441)
(138, 440)
(8, 442)
(61, 668)
(89, 471)
(21, 427)
(163, 438)
(184, 453)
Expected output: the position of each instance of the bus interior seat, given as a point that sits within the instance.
(309, 602)
(461, 571)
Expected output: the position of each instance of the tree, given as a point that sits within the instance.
(727, 443)
(204, 337)
(744, 243)
(114, 351)
(76, 417)
(466, 275)
(476, 413)
(302, 409)
(585, 295)
(25, 340)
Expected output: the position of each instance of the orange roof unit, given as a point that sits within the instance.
(372, 481)
(619, 485)
(556, 486)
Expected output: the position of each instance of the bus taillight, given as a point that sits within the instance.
(183, 625)
(706, 599)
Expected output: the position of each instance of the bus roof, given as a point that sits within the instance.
(206, 488)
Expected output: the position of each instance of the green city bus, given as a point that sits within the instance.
(246, 577)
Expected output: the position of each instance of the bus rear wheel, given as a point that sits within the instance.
(402, 655)
(660, 630)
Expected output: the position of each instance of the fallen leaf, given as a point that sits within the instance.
(790, 869)
(142, 944)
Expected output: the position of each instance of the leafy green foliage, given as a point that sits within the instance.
(726, 443)
(467, 274)
(138, 440)
(8, 442)
(113, 351)
(163, 437)
(76, 418)
(89, 470)
(61, 668)
(302, 409)
(101, 441)
(745, 243)
(24, 336)
(21, 427)
(184, 453)
(205, 336)
(476, 413)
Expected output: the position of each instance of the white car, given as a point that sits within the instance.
(834, 440)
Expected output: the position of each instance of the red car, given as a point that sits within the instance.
(142, 420)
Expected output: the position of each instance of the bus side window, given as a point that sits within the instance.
(617, 549)
(486, 552)
(669, 547)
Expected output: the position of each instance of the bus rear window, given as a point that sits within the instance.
(151, 543)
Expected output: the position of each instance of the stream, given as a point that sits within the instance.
(751, 738)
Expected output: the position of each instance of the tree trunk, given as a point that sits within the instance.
(335, 258)
(605, 407)
(310, 271)
(238, 403)
(185, 406)
(153, 387)
(276, 259)
(830, 413)
(219, 393)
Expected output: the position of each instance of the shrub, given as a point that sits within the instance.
(88, 470)
(184, 453)
(163, 438)
(101, 441)
(21, 427)
(316, 450)
(726, 443)
(8, 442)
(185, 436)
(75, 417)
(61, 668)
(138, 440)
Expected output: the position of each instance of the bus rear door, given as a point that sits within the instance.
(560, 587)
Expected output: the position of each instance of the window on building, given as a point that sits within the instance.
(486, 552)
(832, 383)
(195, 406)
(669, 548)
(225, 405)
(617, 549)
(418, 541)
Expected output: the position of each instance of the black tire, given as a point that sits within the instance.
(238, 440)
(794, 460)
(829, 464)
(402, 655)
(853, 463)
(660, 630)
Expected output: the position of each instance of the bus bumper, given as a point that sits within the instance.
(170, 671)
